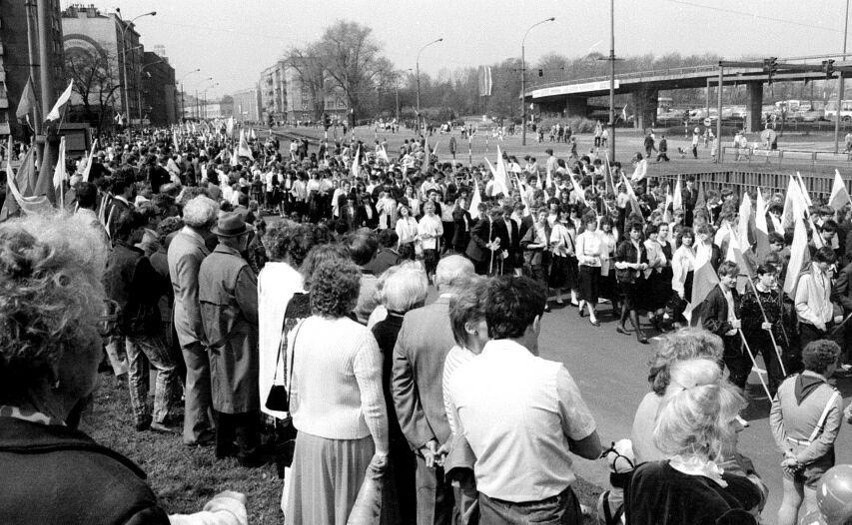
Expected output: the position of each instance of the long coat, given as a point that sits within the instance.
(227, 291)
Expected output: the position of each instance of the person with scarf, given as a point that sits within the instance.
(805, 419)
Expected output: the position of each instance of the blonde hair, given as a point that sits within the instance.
(403, 286)
(694, 420)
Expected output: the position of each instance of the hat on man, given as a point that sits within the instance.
(231, 224)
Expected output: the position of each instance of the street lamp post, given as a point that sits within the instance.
(840, 87)
(612, 80)
(417, 74)
(124, 26)
(524, 80)
(183, 94)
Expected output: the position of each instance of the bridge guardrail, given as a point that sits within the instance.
(625, 76)
(768, 181)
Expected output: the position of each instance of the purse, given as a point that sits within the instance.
(279, 395)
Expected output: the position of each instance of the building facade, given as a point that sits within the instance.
(18, 43)
(159, 96)
(247, 105)
(284, 96)
(104, 44)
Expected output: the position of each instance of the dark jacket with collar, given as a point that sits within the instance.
(52, 474)
(713, 312)
(136, 287)
(842, 291)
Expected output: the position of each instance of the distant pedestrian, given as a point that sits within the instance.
(696, 133)
(649, 145)
(663, 149)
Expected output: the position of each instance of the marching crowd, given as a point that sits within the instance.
(280, 294)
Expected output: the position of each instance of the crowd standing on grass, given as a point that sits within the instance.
(280, 291)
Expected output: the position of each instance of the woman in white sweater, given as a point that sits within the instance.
(336, 401)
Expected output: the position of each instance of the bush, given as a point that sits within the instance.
(577, 124)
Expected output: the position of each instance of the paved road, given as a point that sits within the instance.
(611, 371)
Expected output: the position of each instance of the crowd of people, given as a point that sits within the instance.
(281, 296)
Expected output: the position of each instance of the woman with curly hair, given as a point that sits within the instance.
(336, 401)
(51, 301)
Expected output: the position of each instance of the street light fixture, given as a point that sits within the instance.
(417, 73)
(124, 26)
(211, 86)
(524, 80)
(183, 94)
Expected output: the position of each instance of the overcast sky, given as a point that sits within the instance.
(232, 41)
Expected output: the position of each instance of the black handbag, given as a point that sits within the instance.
(279, 395)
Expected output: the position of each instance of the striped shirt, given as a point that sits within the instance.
(456, 357)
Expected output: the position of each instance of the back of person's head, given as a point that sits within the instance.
(362, 245)
(682, 345)
(126, 221)
(512, 304)
(122, 179)
(318, 255)
(452, 273)
(201, 212)
(825, 255)
(388, 238)
(696, 421)
(819, 355)
(334, 288)
(87, 195)
(166, 227)
(466, 307)
(403, 287)
(693, 372)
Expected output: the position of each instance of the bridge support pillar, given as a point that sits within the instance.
(576, 106)
(754, 109)
(645, 101)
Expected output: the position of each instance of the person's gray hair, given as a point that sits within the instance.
(453, 272)
(200, 212)
(403, 287)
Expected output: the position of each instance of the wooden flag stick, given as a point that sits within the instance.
(748, 350)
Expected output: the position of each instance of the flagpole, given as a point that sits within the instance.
(748, 350)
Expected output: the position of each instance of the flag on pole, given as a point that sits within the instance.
(640, 171)
(744, 222)
(61, 101)
(475, 200)
(704, 279)
(15, 200)
(356, 163)
(427, 157)
(501, 176)
(839, 193)
(735, 255)
(549, 182)
(577, 188)
(815, 236)
(667, 214)
(804, 190)
(700, 199)
(59, 175)
(799, 257)
(235, 156)
(792, 204)
(383, 154)
(28, 100)
(175, 141)
(229, 127)
(609, 180)
(252, 134)
(524, 199)
(244, 149)
(677, 198)
(634, 204)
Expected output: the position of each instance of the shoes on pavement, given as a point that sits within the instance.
(621, 330)
(594, 322)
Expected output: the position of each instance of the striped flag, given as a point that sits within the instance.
(61, 101)
(761, 228)
(475, 199)
(59, 175)
(485, 81)
(703, 281)
(839, 193)
(634, 204)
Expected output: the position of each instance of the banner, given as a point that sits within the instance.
(485, 82)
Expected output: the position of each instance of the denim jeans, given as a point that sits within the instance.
(140, 351)
(562, 509)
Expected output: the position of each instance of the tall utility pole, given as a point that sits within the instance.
(50, 151)
(612, 80)
(32, 52)
(524, 81)
(840, 86)
(719, 115)
(417, 74)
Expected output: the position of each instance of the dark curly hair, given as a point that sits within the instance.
(288, 238)
(818, 355)
(318, 255)
(334, 288)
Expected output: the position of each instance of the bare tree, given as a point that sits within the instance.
(96, 83)
(310, 69)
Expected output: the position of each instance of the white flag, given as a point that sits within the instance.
(61, 101)
(59, 174)
(475, 200)
(91, 159)
(677, 198)
(839, 193)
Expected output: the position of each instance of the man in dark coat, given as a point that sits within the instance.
(715, 315)
(135, 287)
(842, 294)
(690, 198)
(227, 292)
(479, 248)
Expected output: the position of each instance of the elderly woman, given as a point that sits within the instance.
(336, 401)
(692, 427)
(51, 299)
(402, 288)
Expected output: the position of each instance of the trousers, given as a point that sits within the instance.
(562, 509)
(198, 400)
(142, 350)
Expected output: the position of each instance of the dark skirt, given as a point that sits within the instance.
(608, 287)
(563, 272)
(658, 290)
(629, 293)
(589, 283)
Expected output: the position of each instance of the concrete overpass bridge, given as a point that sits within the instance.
(572, 96)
